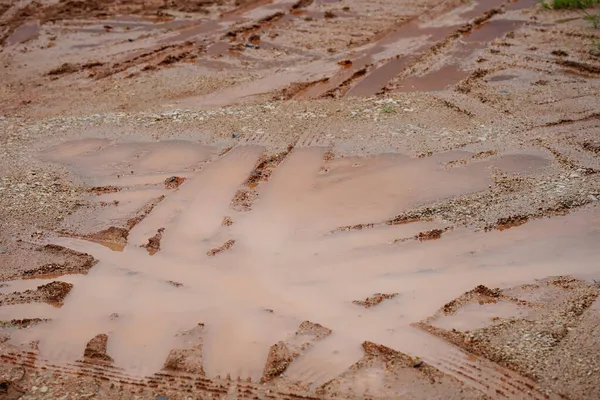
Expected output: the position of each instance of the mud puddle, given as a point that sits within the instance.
(407, 43)
(380, 77)
(452, 73)
(99, 161)
(228, 296)
(24, 33)
(283, 260)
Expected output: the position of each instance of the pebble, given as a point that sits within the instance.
(44, 389)
(417, 363)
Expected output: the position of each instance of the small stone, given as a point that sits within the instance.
(591, 197)
(44, 389)
(417, 363)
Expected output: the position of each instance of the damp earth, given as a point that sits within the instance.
(306, 199)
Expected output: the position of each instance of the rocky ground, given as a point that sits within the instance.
(306, 183)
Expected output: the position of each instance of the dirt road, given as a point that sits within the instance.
(306, 199)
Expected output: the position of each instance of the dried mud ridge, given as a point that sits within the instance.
(428, 213)
(248, 192)
(374, 300)
(115, 237)
(224, 247)
(52, 293)
(433, 234)
(523, 344)
(95, 350)
(153, 245)
(283, 353)
(74, 263)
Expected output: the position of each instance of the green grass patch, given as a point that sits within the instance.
(562, 4)
(389, 109)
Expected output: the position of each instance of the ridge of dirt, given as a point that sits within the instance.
(248, 193)
(72, 262)
(153, 245)
(391, 362)
(522, 344)
(95, 350)
(224, 247)
(52, 293)
(283, 353)
(375, 299)
(116, 236)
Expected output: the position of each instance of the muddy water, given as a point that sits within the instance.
(286, 259)
(477, 316)
(452, 73)
(448, 23)
(25, 32)
(99, 162)
(424, 37)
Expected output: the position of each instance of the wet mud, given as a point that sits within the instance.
(298, 199)
(290, 224)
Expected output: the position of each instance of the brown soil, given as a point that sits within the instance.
(395, 364)
(443, 155)
(532, 344)
(279, 358)
(174, 182)
(95, 350)
(64, 261)
(98, 190)
(318, 331)
(55, 292)
(52, 293)
(248, 192)
(153, 245)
